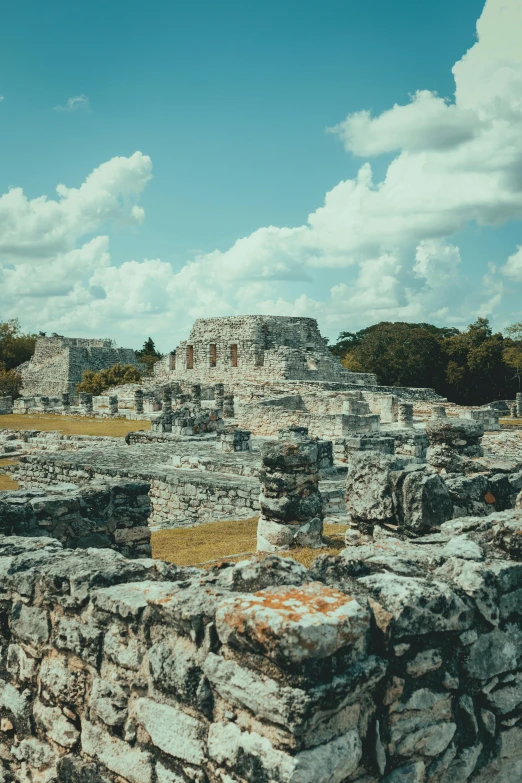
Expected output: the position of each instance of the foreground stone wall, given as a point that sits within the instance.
(396, 661)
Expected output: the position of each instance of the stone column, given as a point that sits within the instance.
(513, 410)
(6, 405)
(388, 407)
(405, 414)
(219, 394)
(228, 406)
(290, 501)
(235, 440)
(113, 404)
(66, 401)
(166, 403)
(86, 402)
(438, 412)
(519, 405)
(138, 400)
(195, 393)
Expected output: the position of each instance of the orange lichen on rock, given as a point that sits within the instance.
(293, 623)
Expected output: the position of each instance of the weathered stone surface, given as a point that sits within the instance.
(172, 731)
(404, 606)
(293, 624)
(254, 758)
(132, 764)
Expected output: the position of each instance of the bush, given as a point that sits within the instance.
(117, 375)
(10, 383)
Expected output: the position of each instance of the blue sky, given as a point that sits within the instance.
(229, 105)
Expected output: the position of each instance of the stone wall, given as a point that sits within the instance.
(112, 514)
(58, 363)
(394, 662)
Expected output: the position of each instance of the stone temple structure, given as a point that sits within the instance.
(258, 348)
(59, 362)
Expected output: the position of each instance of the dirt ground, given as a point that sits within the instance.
(230, 540)
(72, 425)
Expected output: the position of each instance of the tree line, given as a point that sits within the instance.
(470, 367)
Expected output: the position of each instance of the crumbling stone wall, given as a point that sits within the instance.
(110, 514)
(396, 661)
(58, 363)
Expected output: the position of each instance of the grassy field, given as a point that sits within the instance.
(229, 541)
(72, 425)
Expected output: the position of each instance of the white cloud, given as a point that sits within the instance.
(1, 97)
(75, 103)
(458, 161)
(427, 123)
(513, 266)
(42, 228)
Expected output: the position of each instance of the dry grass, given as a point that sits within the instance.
(6, 482)
(72, 425)
(229, 540)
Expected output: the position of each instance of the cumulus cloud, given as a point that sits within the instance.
(74, 104)
(513, 266)
(458, 161)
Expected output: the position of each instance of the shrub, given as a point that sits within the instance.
(117, 375)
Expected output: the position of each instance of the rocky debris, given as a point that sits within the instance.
(112, 514)
(381, 489)
(290, 502)
(460, 435)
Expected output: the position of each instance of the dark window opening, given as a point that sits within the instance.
(233, 355)
(213, 354)
(190, 357)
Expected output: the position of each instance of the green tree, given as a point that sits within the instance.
(15, 347)
(98, 382)
(512, 353)
(149, 355)
(476, 371)
(400, 354)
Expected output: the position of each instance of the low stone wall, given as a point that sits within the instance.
(189, 497)
(393, 662)
(112, 514)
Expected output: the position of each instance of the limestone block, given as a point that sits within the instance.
(404, 606)
(172, 731)
(132, 764)
(293, 624)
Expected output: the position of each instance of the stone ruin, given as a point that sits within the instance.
(397, 659)
(257, 348)
(58, 364)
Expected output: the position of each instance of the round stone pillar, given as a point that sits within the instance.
(290, 501)
(405, 414)
(219, 394)
(228, 406)
(138, 400)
